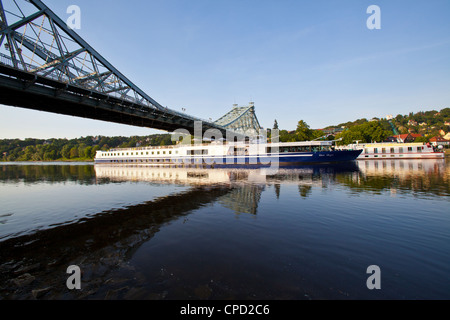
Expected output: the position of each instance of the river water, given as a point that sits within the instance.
(191, 234)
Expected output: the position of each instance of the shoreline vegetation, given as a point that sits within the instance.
(423, 126)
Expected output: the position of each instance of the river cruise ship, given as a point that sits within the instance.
(398, 151)
(219, 154)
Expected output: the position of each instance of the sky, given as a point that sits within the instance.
(315, 61)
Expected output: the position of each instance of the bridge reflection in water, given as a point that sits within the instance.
(104, 244)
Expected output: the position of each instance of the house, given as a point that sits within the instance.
(412, 123)
(391, 139)
(439, 141)
(405, 138)
(416, 135)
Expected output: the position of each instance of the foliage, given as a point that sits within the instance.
(367, 132)
(275, 125)
(429, 123)
(81, 149)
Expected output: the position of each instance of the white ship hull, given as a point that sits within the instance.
(377, 151)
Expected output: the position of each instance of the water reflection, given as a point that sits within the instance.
(33, 263)
(246, 185)
(422, 177)
(80, 173)
(99, 245)
(103, 242)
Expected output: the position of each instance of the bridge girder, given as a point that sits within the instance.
(45, 65)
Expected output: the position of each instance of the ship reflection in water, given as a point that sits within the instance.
(244, 186)
(308, 232)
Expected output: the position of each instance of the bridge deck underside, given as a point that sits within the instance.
(25, 90)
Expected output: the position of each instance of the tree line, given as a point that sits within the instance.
(367, 131)
(428, 124)
(80, 149)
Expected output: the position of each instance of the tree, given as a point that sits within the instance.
(74, 153)
(366, 132)
(88, 152)
(422, 139)
(303, 132)
(94, 151)
(65, 151)
(275, 125)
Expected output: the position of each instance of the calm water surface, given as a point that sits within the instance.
(167, 233)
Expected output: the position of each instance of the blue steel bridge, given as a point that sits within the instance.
(46, 66)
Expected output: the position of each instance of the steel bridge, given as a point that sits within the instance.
(46, 66)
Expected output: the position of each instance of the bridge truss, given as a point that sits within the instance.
(241, 119)
(45, 65)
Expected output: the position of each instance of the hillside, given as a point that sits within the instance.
(424, 122)
(427, 123)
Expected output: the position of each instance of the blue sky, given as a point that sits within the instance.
(297, 60)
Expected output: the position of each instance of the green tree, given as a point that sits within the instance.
(65, 151)
(88, 152)
(303, 132)
(74, 153)
(366, 132)
(275, 125)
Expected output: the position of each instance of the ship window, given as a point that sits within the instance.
(197, 152)
(392, 150)
(409, 149)
(400, 150)
(269, 150)
(419, 149)
(153, 152)
(146, 153)
(170, 152)
(375, 150)
(383, 150)
(366, 150)
(158, 152)
(164, 152)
